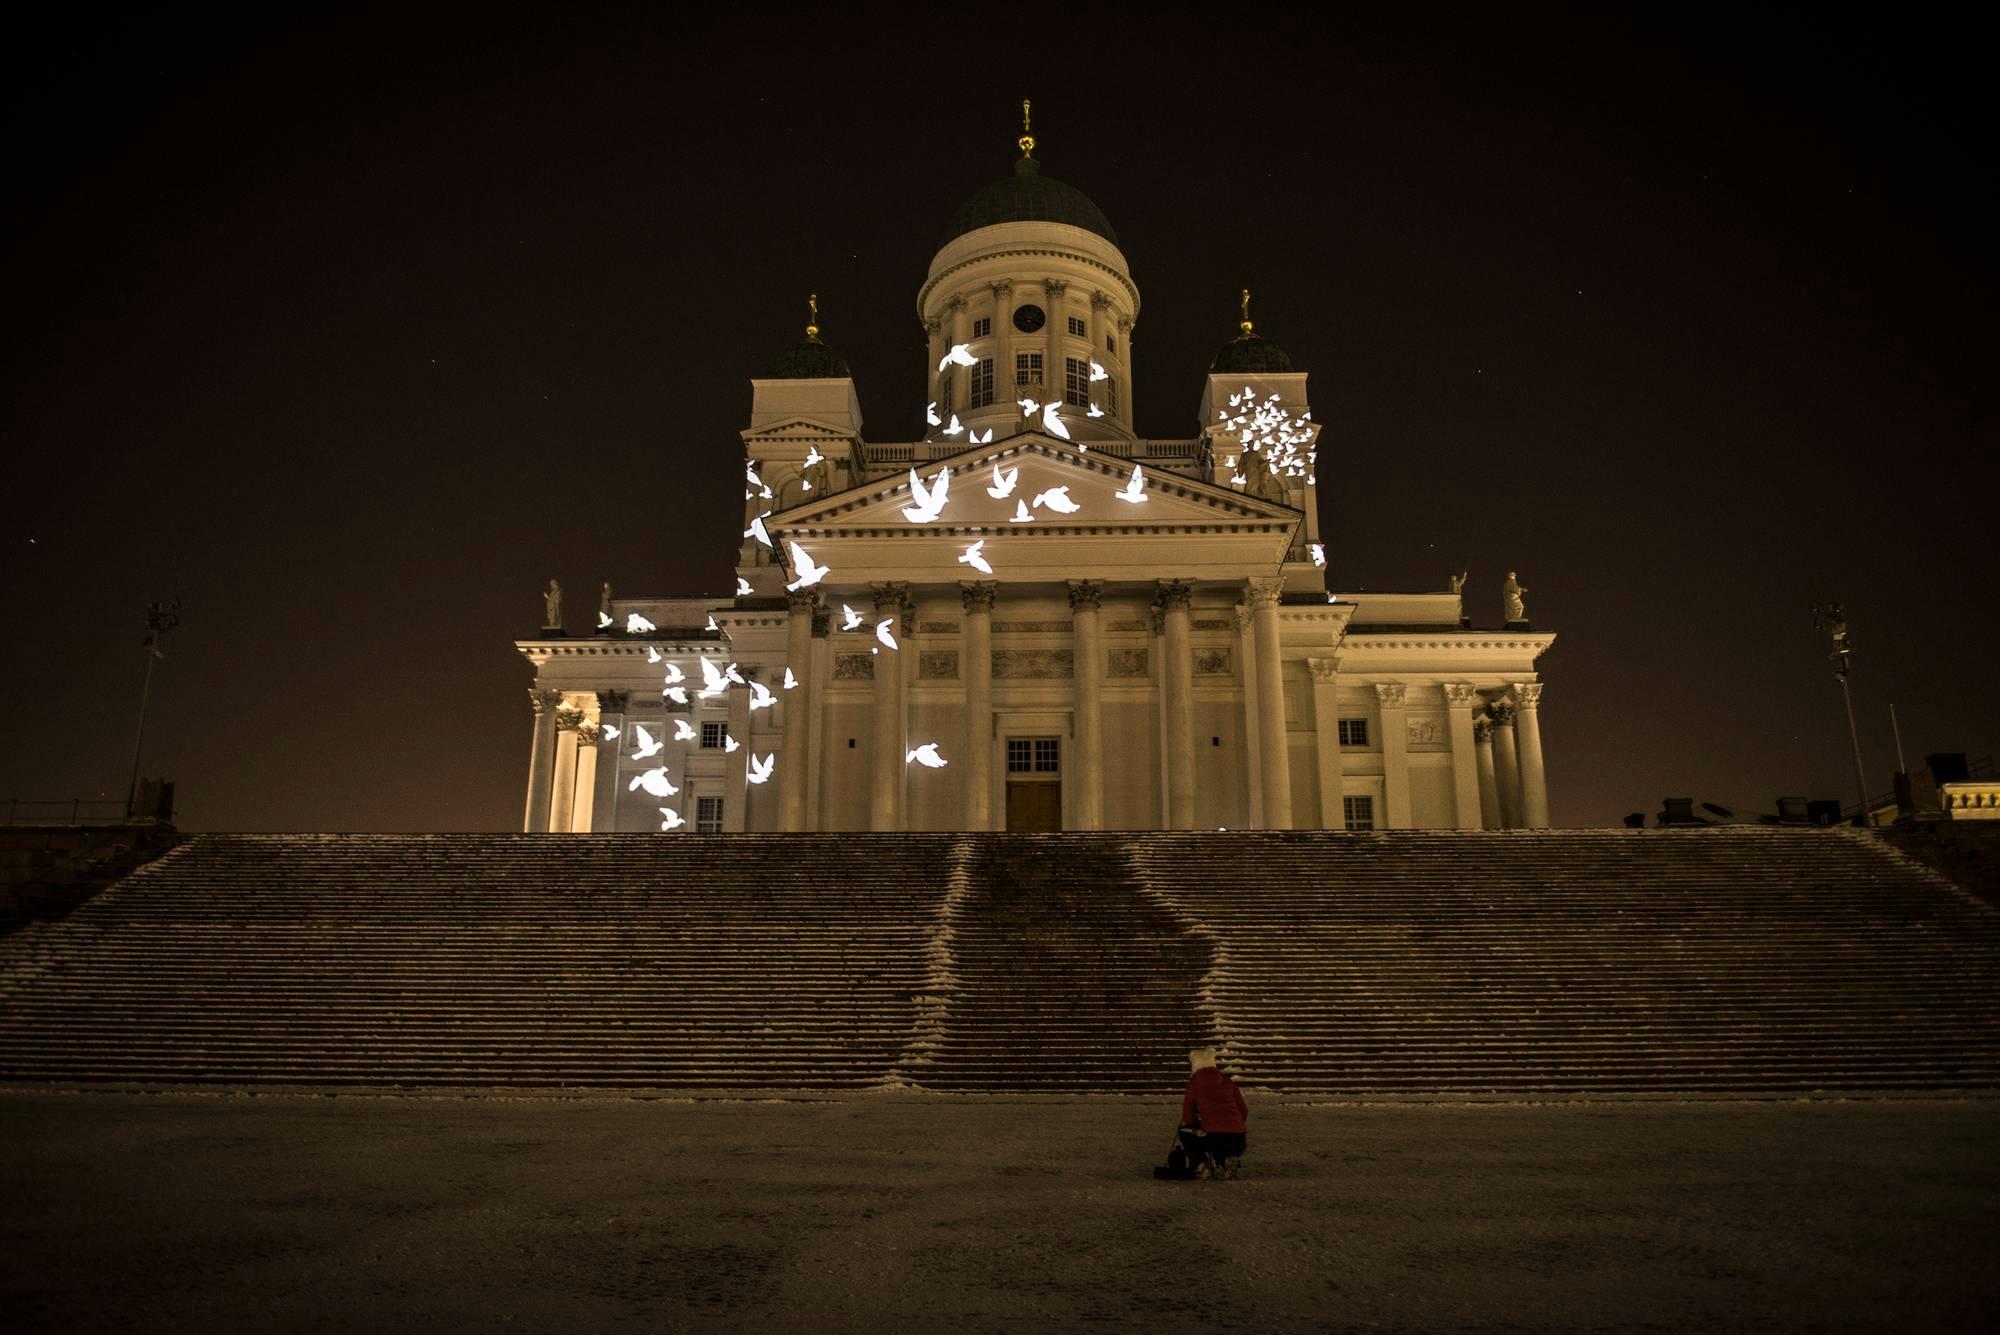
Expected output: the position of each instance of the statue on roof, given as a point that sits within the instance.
(1259, 479)
(1457, 583)
(1510, 598)
(552, 607)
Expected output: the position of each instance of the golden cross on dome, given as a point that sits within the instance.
(1027, 140)
(812, 324)
(1246, 326)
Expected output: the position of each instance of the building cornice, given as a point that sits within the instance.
(932, 283)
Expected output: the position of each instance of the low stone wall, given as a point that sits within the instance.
(47, 870)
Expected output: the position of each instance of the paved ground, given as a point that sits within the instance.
(297, 1213)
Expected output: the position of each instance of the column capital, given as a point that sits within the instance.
(1462, 694)
(1001, 286)
(1391, 694)
(932, 326)
(799, 601)
(977, 597)
(955, 305)
(1055, 287)
(568, 718)
(1174, 593)
(543, 700)
(890, 596)
(1086, 595)
(1124, 324)
(1244, 616)
(613, 702)
(1482, 732)
(1263, 591)
(1324, 669)
(1503, 715)
(1527, 694)
(1099, 300)
(587, 731)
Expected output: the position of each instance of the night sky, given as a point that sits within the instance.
(351, 333)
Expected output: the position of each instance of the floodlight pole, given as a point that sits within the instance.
(1834, 621)
(160, 619)
(1854, 736)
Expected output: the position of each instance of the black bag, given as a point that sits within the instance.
(1176, 1169)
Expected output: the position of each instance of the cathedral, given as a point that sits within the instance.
(1034, 618)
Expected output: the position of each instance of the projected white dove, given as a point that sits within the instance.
(731, 674)
(976, 439)
(674, 674)
(1021, 515)
(790, 680)
(713, 683)
(603, 620)
(928, 502)
(683, 730)
(761, 697)
(809, 574)
(975, 560)
(1057, 499)
(743, 589)
(730, 744)
(677, 694)
(760, 770)
(711, 623)
(1095, 411)
(648, 747)
(1318, 551)
(1135, 490)
(927, 756)
(850, 619)
(960, 355)
(654, 781)
(1003, 483)
(652, 654)
(1052, 420)
(758, 531)
(1098, 373)
(606, 733)
(930, 414)
(1029, 407)
(883, 633)
(673, 819)
(813, 456)
(638, 625)
(954, 428)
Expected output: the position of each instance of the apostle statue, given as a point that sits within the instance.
(1510, 598)
(1259, 480)
(604, 605)
(552, 607)
(818, 476)
(1457, 582)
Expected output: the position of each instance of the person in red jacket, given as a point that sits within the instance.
(1214, 1119)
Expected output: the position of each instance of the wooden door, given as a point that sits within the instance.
(1034, 806)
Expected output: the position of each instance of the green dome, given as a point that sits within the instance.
(1029, 196)
(810, 360)
(1251, 354)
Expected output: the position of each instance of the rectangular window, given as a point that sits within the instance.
(982, 383)
(1034, 755)
(1076, 328)
(983, 327)
(1076, 382)
(946, 383)
(1048, 756)
(708, 815)
(1354, 732)
(1027, 368)
(1110, 396)
(1110, 343)
(711, 736)
(1359, 812)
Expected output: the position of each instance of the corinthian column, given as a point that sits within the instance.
(1460, 698)
(562, 803)
(1174, 597)
(1003, 342)
(960, 331)
(1489, 791)
(1085, 601)
(1391, 697)
(1326, 742)
(978, 669)
(1528, 733)
(793, 757)
(541, 760)
(611, 707)
(1274, 752)
(1057, 330)
(1506, 767)
(886, 781)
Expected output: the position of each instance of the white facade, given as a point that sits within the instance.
(1171, 663)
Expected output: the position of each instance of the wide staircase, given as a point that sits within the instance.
(1405, 964)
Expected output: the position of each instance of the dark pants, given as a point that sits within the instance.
(1216, 1145)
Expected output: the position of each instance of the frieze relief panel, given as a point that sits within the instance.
(1029, 627)
(1206, 624)
(1424, 732)
(937, 628)
(937, 664)
(854, 667)
(1128, 663)
(1044, 663)
(1212, 662)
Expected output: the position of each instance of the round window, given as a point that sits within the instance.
(1028, 319)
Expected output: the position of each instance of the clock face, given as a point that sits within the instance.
(1028, 319)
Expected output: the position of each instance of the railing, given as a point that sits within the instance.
(1977, 769)
(75, 811)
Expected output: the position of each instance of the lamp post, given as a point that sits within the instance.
(1834, 621)
(161, 618)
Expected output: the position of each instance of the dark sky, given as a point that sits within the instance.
(350, 333)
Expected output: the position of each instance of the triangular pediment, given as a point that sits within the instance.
(1044, 475)
(797, 428)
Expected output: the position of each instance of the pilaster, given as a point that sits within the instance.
(1275, 747)
(1391, 701)
(611, 707)
(1326, 741)
(794, 756)
(1460, 699)
(977, 665)
(885, 781)
(1086, 601)
(1173, 599)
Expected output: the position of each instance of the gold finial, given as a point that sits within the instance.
(1027, 140)
(812, 324)
(1246, 326)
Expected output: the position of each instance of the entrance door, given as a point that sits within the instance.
(1034, 783)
